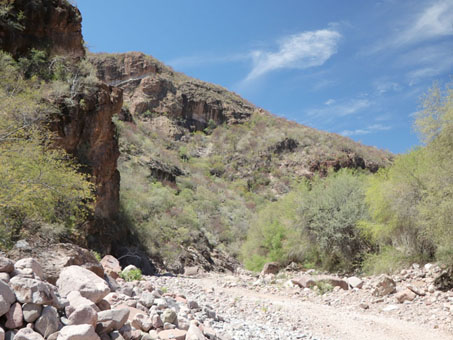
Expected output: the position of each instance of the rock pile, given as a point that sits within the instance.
(83, 306)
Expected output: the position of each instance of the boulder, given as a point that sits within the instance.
(172, 334)
(157, 321)
(405, 295)
(78, 332)
(2, 334)
(33, 291)
(83, 315)
(31, 312)
(192, 271)
(6, 265)
(14, 317)
(27, 334)
(75, 278)
(55, 257)
(355, 282)
(113, 319)
(30, 264)
(270, 268)
(111, 266)
(76, 300)
(147, 299)
(48, 322)
(6, 298)
(332, 280)
(384, 286)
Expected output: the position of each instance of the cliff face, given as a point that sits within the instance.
(151, 87)
(51, 25)
(84, 125)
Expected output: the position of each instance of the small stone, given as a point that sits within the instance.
(31, 264)
(385, 286)
(364, 306)
(194, 333)
(111, 266)
(390, 308)
(142, 321)
(405, 295)
(6, 265)
(113, 319)
(355, 282)
(270, 268)
(157, 321)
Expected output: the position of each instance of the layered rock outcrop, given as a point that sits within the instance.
(150, 88)
(52, 25)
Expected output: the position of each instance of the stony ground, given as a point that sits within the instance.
(271, 307)
(92, 301)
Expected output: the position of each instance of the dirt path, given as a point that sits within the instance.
(322, 321)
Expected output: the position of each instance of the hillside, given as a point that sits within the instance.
(197, 161)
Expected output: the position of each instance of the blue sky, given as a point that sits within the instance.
(353, 67)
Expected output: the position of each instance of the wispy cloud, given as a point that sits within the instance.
(435, 20)
(366, 131)
(298, 51)
(331, 109)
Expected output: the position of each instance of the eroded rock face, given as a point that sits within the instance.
(53, 25)
(150, 86)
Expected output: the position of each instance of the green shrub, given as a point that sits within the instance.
(131, 275)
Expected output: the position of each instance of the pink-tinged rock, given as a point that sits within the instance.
(31, 312)
(172, 334)
(76, 300)
(2, 334)
(157, 321)
(33, 291)
(75, 278)
(111, 266)
(78, 332)
(83, 315)
(6, 265)
(14, 317)
(270, 268)
(194, 333)
(304, 281)
(332, 280)
(384, 286)
(405, 295)
(142, 322)
(27, 334)
(30, 264)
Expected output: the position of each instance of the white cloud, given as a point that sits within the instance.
(383, 86)
(434, 21)
(298, 51)
(330, 102)
(340, 110)
(365, 131)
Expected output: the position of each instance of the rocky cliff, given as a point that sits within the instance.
(51, 25)
(84, 123)
(151, 87)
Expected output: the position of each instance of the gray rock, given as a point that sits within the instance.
(6, 265)
(6, 298)
(48, 322)
(169, 315)
(142, 322)
(157, 321)
(147, 299)
(33, 291)
(27, 334)
(110, 320)
(194, 333)
(2, 334)
(75, 278)
(355, 282)
(31, 312)
(30, 264)
(116, 335)
(78, 332)
(10, 335)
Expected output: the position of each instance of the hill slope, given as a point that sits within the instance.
(197, 161)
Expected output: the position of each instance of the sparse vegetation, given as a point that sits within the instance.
(131, 275)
